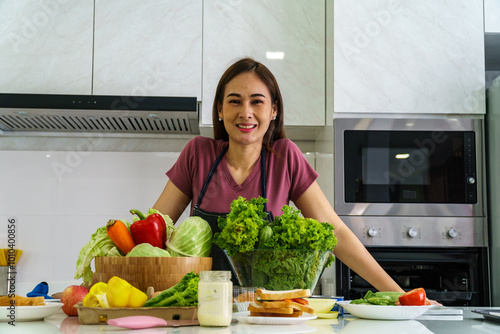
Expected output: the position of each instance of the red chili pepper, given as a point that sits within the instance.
(413, 297)
(150, 229)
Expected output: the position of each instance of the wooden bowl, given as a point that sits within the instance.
(142, 272)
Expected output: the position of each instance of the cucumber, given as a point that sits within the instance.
(264, 236)
(259, 278)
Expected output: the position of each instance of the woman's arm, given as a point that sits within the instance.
(349, 249)
(172, 202)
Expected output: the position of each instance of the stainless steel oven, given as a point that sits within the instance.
(412, 190)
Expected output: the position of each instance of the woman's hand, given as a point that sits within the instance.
(432, 302)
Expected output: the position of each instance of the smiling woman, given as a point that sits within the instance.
(251, 157)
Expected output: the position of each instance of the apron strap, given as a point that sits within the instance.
(263, 175)
(210, 174)
(216, 164)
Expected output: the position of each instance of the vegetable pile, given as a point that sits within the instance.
(378, 298)
(152, 234)
(287, 253)
(120, 293)
(415, 297)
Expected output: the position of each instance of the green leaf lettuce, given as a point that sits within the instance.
(99, 245)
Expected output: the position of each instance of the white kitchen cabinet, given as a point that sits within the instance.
(261, 29)
(492, 16)
(46, 46)
(148, 48)
(422, 57)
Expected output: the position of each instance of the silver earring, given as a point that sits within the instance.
(274, 117)
(220, 119)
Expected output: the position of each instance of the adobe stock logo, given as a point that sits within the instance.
(74, 158)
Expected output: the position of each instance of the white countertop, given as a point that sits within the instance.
(468, 323)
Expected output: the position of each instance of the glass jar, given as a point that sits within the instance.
(215, 298)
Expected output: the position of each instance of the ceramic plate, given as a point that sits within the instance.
(52, 300)
(245, 318)
(30, 313)
(380, 312)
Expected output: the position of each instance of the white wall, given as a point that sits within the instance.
(61, 197)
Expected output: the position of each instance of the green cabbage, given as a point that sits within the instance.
(147, 250)
(193, 237)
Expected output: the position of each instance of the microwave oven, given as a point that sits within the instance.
(408, 167)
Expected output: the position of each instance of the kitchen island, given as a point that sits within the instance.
(468, 322)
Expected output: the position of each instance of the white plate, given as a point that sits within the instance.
(245, 318)
(381, 312)
(30, 313)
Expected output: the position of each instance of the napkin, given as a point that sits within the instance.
(40, 290)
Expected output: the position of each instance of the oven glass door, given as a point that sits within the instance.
(452, 276)
(409, 167)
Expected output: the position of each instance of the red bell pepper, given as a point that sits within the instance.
(415, 297)
(150, 229)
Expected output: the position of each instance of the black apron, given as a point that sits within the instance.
(219, 259)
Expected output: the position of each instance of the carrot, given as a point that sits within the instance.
(120, 235)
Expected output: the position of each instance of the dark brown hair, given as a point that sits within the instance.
(276, 128)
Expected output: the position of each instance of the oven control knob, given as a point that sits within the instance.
(452, 233)
(412, 232)
(372, 232)
(471, 180)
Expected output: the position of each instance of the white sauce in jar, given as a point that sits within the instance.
(215, 298)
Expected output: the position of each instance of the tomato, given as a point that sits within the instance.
(415, 297)
(298, 300)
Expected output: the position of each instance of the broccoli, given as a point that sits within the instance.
(184, 293)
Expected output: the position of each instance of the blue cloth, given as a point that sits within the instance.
(40, 290)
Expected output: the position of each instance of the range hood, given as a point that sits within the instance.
(98, 114)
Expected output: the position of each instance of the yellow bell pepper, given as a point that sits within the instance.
(96, 296)
(120, 293)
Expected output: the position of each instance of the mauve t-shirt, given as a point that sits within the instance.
(288, 175)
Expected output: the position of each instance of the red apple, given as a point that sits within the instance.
(71, 296)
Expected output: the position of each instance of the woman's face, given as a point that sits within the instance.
(247, 109)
